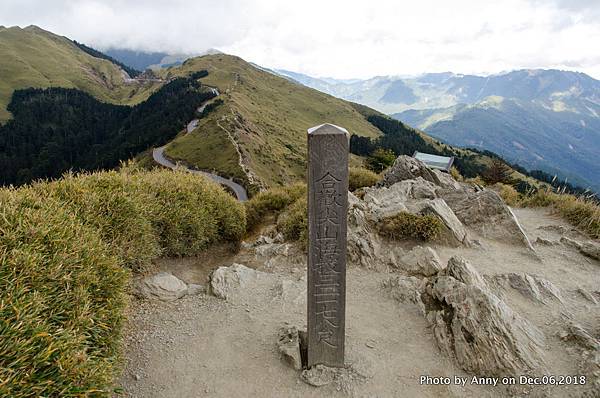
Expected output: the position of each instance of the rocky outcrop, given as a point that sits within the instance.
(420, 261)
(165, 286)
(456, 233)
(485, 212)
(365, 248)
(589, 364)
(405, 289)
(386, 201)
(531, 286)
(589, 249)
(409, 168)
(473, 325)
(225, 281)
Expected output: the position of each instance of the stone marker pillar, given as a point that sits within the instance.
(327, 210)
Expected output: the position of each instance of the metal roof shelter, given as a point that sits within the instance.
(434, 161)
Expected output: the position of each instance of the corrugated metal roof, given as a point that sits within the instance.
(435, 161)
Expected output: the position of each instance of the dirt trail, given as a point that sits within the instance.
(204, 346)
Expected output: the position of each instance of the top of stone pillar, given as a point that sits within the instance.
(328, 129)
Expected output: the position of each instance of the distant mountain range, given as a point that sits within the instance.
(541, 119)
(142, 60)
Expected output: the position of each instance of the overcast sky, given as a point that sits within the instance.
(343, 39)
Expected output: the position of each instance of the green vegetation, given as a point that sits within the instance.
(66, 249)
(359, 177)
(267, 116)
(33, 57)
(380, 159)
(61, 301)
(406, 225)
(208, 148)
(497, 172)
(293, 222)
(58, 129)
(272, 202)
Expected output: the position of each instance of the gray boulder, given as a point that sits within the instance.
(420, 261)
(456, 232)
(288, 346)
(485, 212)
(225, 281)
(405, 289)
(382, 202)
(408, 168)
(162, 286)
(531, 286)
(365, 248)
(471, 324)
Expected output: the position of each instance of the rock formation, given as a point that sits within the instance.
(473, 325)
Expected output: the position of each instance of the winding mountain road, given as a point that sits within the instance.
(240, 191)
(158, 154)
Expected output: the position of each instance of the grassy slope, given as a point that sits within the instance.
(208, 148)
(33, 57)
(266, 115)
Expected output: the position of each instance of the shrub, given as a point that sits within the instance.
(497, 171)
(359, 177)
(380, 159)
(271, 201)
(188, 212)
(293, 222)
(456, 174)
(106, 202)
(508, 193)
(61, 300)
(62, 283)
(407, 225)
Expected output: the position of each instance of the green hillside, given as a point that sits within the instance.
(33, 57)
(264, 116)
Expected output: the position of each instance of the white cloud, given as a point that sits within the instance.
(339, 38)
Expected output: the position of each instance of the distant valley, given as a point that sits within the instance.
(541, 119)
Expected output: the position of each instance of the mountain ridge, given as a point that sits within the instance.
(33, 57)
(540, 118)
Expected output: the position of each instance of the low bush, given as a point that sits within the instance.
(293, 222)
(64, 251)
(508, 193)
(272, 201)
(406, 225)
(188, 212)
(62, 296)
(455, 173)
(359, 178)
(107, 202)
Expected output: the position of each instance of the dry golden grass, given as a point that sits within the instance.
(359, 177)
(406, 225)
(508, 193)
(580, 211)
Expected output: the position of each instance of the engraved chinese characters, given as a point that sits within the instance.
(327, 209)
